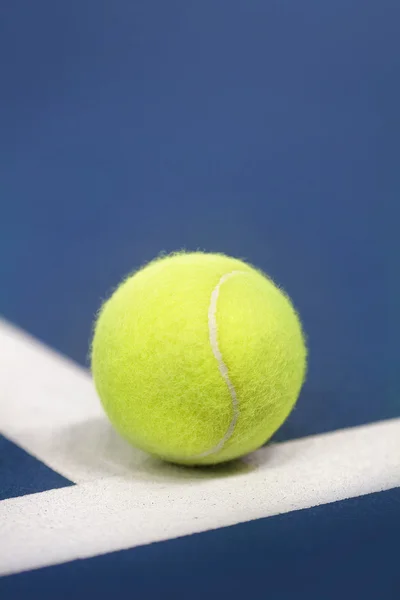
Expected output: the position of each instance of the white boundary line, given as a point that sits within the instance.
(158, 501)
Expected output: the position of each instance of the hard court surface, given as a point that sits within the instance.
(268, 130)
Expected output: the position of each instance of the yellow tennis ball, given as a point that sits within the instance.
(198, 358)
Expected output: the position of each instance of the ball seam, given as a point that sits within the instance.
(222, 367)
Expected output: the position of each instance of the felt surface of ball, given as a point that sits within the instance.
(198, 358)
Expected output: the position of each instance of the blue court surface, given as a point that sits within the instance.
(267, 130)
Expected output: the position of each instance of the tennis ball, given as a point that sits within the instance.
(198, 358)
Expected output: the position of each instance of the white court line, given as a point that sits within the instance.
(159, 502)
(49, 407)
(126, 499)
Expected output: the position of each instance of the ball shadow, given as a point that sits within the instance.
(94, 450)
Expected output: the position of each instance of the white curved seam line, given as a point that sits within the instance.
(223, 369)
